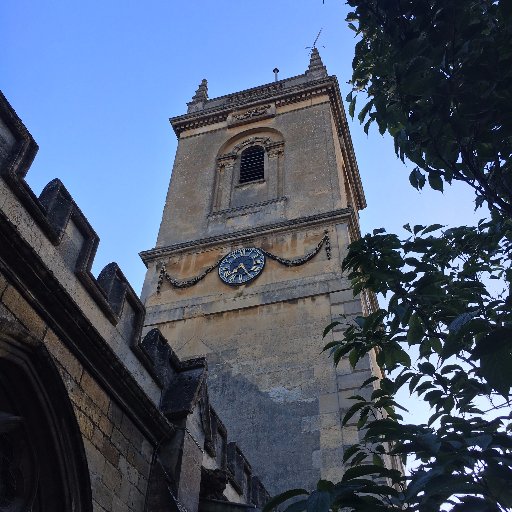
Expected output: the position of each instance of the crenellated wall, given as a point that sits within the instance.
(132, 428)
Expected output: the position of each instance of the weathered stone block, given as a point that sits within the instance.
(115, 414)
(102, 494)
(331, 437)
(119, 441)
(332, 457)
(310, 423)
(351, 435)
(85, 424)
(341, 296)
(3, 284)
(63, 356)
(20, 308)
(136, 499)
(95, 459)
(112, 477)
(353, 380)
(95, 392)
(328, 403)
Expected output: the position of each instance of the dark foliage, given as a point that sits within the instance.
(438, 78)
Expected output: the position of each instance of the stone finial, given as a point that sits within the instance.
(202, 91)
(316, 67)
(200, 97)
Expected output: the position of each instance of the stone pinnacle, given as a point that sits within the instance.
(316, 67)
(202, 91)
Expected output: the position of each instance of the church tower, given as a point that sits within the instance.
(246, 271)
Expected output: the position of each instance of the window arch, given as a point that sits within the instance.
(252, 164)
(249, 171)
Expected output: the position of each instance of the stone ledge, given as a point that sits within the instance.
(342, 214)
(291, 290)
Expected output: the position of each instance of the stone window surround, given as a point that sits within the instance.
(228, 172)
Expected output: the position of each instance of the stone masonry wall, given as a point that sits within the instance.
(276, 391)
(118, 456)
(311, 182)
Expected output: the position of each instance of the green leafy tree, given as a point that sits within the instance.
(437, 75)
(438, 78)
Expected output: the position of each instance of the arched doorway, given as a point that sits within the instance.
(42, 459)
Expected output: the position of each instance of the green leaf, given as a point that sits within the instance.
(495, 352)
(339, 352)
(431, 442)
(318, 501)
(483, 441)
(427, 368)
(498, 479)
(416, 329)
(324, 485)
(394, 355)
(358, 458)
(281, 498)
(436, 345)
(459, 321)
(362, 470)
(364, 111)
(356, 407)
(435, 181)
(350, 451)
(419, 480)
(369, 381)
(298, 506)
(417, 179)
(474, 504)
(329, 328)
(331, 344)
(377, 460)
(352, 107)
(431, 228)
(414, 382)
(353, 357)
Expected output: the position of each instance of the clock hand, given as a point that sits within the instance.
(231, 272)
(245, 270)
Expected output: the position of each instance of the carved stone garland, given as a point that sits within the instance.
(292, 262)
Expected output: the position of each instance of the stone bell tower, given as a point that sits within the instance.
(246, 270)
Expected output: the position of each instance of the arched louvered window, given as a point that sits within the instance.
(252, 164)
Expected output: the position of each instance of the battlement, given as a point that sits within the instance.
(140, 410)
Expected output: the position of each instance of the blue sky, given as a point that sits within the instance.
(95, 83)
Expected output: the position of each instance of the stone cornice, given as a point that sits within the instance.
(342, 214)
(243, 99)
(282, 94)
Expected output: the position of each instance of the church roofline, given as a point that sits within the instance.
(289, 90)
(231, 97)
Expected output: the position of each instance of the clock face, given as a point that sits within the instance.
(241, 266)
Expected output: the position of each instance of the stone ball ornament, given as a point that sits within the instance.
(241, 266)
